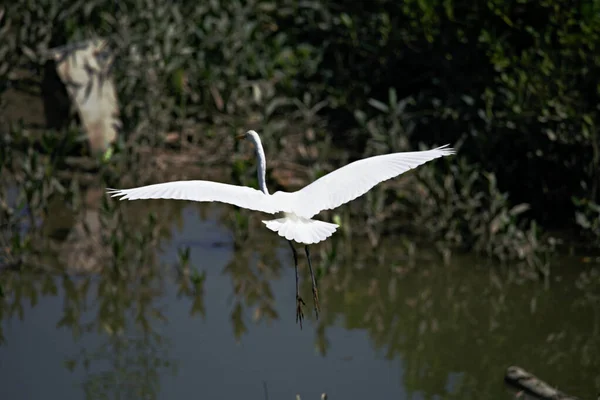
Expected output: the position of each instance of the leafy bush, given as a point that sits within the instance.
(510, 84)
(513, 83)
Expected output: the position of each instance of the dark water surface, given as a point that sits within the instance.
(390, 327)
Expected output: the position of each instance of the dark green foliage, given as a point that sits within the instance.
(515, 80)
(512, 85)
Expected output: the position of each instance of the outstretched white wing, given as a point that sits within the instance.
(330, 191)
(354, 180)
(241, 196)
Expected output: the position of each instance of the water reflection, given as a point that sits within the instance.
(154, 295)
(468, 322)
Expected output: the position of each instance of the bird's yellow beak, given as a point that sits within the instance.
(240, 137)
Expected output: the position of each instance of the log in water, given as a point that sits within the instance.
(523, 380)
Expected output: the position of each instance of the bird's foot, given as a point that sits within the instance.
(299, 312)
(316, 301)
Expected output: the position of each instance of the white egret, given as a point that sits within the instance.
(297, 208)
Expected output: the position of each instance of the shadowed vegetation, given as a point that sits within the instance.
(509, 84)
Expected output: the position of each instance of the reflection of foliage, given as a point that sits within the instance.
(461, 324)
(135, 367)
(191, 283)
(122, 297)
(104, 258)
(252, 269)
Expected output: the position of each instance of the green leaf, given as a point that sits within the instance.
(378, 105)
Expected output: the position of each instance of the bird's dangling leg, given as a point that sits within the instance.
(299, 301)
(314, 283)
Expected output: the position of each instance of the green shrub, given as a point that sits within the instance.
(510, 84)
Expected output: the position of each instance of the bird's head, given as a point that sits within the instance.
(252, 135)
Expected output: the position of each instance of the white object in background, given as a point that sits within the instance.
(85, 69)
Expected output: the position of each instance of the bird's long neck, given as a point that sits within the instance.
(262, 164)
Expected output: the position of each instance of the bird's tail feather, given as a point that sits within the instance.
(301, 230)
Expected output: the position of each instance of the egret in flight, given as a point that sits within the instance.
(296, 209)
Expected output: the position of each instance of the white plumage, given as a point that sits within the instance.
(353, 180)
(300, 229)
(328, 192)
(241, 196)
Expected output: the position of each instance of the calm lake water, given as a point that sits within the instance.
(224, 328)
